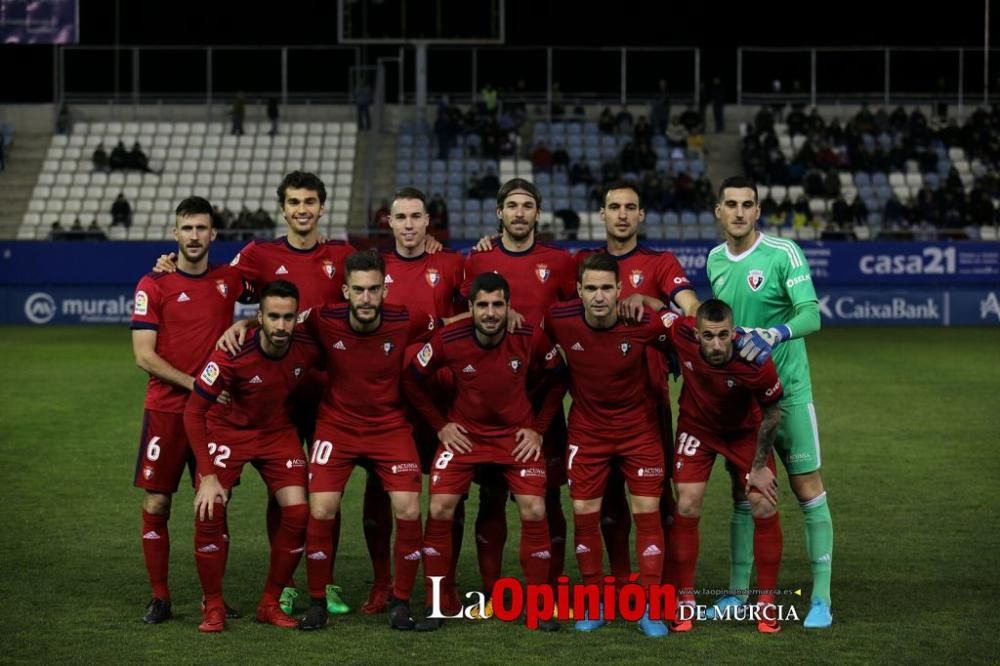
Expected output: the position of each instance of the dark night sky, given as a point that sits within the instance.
(716, 28)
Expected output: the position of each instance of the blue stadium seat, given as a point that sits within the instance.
(688, 217)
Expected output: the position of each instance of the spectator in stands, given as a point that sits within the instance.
(838, 232)
(443, 132)
(94, 231)
(629, 158)
(3, 163)
(437, 211)
(690, 119)
(763, 122)
(121, 211)
(380, 219)
(717, 94)
(624, 121)
(580, 173)
(676, 134)
(659, 112)
(119, 157)
(56, 231)
(570, 222)
(64, 120)
(489, 184)
(488, 99)
(812, 182)
(797, 122)
(560, 158)
(100, 159)
(840, 212)
(859, 211)
(606, 121)
(272, 114)
(137, 159)
(238, 113)
(541, 158)
(815, 125)
(558, 107)
(76, 231)
(646, 157)
(363, 102)
(643, 132)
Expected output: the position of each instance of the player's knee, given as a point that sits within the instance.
(410, 511)
(688, 506)
(533, 509)
(806, 486)
(157, 503)
(322, 510)
(761, 507)
(441, 509)
(641, 504)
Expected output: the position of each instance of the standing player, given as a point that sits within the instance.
(728, 406)
(768, 283)
(174, 315)
(429, 283)
(538, 275)
(609, 385)
(361, 419)
(654, 279)
(255, 428)
(491, 421)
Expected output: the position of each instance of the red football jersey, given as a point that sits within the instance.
(725, 398)
(492, 397)
(259, 386)
(317, 272)
(188, 313)
(607, 372)
(538, 276)
(429, 283)
(363, 390)
(647, 272)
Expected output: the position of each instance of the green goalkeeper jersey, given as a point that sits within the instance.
(763, 285)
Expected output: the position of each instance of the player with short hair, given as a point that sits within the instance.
(362, 419)
(612, 422)
(174, 315)
(431, 283)
(539, 275)
(653, 279)
(728, 406)
(490, 422)
(768, 283)
(255, 428)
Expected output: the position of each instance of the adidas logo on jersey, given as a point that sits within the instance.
(281, 270)
(651, 551)
(339, 345)
(318, 555)
(183, 298)
(151, 535)
(256, 380)
(577, 347)
(582, 548)
(468, 369)
(210, 548)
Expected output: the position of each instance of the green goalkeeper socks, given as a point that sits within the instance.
(740, 548)
(819, 545)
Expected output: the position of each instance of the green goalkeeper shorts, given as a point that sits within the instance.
(797, 443)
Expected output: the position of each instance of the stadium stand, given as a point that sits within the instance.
(234, 172)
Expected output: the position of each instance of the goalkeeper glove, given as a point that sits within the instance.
(755, 344)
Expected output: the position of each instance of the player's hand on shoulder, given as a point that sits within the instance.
(432, 245)
(528, 445)
(233, 337)
(630, 309)
(514, 320)
(485, 244)
(453, 438)
(166, 263)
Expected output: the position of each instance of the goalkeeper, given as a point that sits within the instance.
(767, 282)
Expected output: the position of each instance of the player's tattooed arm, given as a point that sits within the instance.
(761, 477)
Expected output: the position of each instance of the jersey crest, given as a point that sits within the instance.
(755, 278)
(542, 272)
(636, 277)
(625, 347)
(329, 269)
(222, 287)
(515, 365)
(387, 347)
(433, 276)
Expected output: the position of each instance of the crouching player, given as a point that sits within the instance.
(255, 428)
(728, 406)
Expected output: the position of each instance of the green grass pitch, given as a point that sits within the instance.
(908, 421)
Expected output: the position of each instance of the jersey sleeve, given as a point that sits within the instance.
(468, 272)
(767, 388)
(247, 262)
(146, 306)
(424, 365)
(567, 281)
(208, 384)
(798, 284)
(546, 356)
(672, 279)
(212, 379)
(422, 327)
(658, 328)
